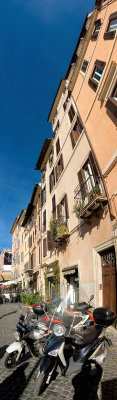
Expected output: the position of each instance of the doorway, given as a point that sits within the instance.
(109, 278)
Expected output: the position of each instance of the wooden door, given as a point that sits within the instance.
(109, 279)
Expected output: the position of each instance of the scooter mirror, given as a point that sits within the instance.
(91, 297)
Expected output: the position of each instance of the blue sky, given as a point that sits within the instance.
(37, 39)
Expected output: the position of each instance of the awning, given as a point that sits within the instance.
(70, 270)
(8, 283)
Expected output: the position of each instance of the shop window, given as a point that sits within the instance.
(112, 26)
(97, 74)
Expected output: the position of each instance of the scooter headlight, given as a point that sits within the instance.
(59, 330)
(17, 335)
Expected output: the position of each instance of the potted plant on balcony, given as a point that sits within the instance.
(53, 227)
(62, 233)
(95, 191)
(78, 207)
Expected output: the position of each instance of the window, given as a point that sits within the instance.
(56, 129)
(111, 103)
(71, 113)
(97, 74)
(59, 168)
(62, 210)
(75, 133)
(43, 196)
(44, 221)
(39, 222)
(43, 174)
(53, 207)
(57, 146)
(66, 101)
(96, 29)
(88, 177)
(52, 180)
(51, 157)
(84, 66)
(112, 26)
(44, 247)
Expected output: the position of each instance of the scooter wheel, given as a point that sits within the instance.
(10, 359)
(40, 384)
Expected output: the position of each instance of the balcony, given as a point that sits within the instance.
(28, 267)
(89, 197)
(59, 229)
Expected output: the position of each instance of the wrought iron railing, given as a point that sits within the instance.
(87, 190)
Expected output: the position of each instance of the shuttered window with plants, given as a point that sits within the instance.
(59, 167)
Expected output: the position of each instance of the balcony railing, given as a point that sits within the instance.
(89, 196)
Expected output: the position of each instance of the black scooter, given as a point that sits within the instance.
(63, 351)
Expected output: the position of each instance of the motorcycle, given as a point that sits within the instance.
(66, 347)
(32, 335)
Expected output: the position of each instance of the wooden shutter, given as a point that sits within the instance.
(57, 146)
(74, 138)
(30, 241)
(59, 210)
(61, 162)
(44, 220)
(83, 186)
(50, 242)
(93, 165)
(66, 206)
(44, 248)
(71, 113)
(41, 198)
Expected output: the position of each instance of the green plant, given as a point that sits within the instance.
(62, 232)
(95, 190)
(77, 207)
(31, 298)
(53, 227)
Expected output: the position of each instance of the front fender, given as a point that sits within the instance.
(47, 364)
(16, 346)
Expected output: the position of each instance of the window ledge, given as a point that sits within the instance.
(109, 35)
(93, 84)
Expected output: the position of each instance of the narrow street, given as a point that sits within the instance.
(19, 383)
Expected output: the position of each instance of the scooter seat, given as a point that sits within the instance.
(87, 336)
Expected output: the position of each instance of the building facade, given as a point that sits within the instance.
(5, 264)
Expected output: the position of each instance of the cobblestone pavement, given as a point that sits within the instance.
(19, 383)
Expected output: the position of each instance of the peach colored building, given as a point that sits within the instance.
(79, 166)
(32, 241)
(17, 232)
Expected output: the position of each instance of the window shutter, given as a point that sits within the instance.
(30, 241)
(66, 206)
(44, 220)
(44, 248)
(83, 186)
(74, 138)
(41, 198)
(59, 210)
(50, 242)
(57, 146)
(61, 162)
(50, 183)
(71, 113)
(93, 165)
(53, 203)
